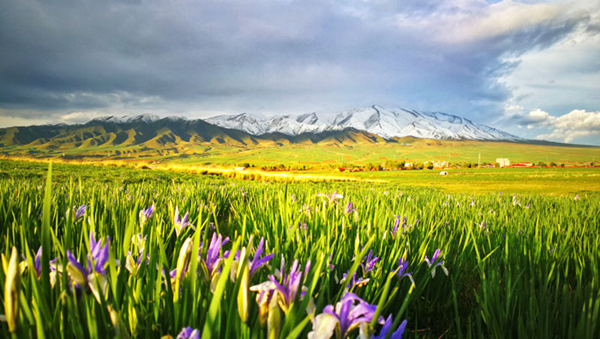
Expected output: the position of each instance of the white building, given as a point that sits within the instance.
(503, 162)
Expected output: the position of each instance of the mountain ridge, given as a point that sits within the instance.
(387, 123)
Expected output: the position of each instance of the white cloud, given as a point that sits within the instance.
(9, 121)
(473, 21)
(568, 127)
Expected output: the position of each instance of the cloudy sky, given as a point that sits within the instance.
(529, 67)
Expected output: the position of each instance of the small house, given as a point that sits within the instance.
(503, 162)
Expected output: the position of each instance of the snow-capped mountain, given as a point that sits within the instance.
(387, 123)
(147, 118)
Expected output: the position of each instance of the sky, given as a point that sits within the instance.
(531, 68)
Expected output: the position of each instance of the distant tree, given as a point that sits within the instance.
(553, 164)
(430, 166)
(541, 164)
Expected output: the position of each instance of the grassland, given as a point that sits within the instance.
(492, 180)
(537, 180)
(410, 149)
(518, 266)
(315, 155)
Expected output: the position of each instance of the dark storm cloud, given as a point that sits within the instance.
(191, 57)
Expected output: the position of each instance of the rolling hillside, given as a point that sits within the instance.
(149, 138)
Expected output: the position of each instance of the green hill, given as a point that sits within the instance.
(196, 141)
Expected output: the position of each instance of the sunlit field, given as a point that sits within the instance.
(113, 252)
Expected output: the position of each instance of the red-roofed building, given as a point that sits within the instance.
(522, 164)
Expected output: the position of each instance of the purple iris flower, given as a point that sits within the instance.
(435, 263)
(349, 208)
(401, 270)
(213, 259)
(387, 326)
(98, 254)
(329, 264)
(397, 224)
(368, 264)
(347, 315)
(80, 211)
(181, 224)
(188, 333)
(97, 259)
(258, 262)
(355, 282)
(79, 275)
(38, 262)
(402, 266)
(332, 197)
(284, 290)
(290, 283)
(148, 211)
(434, 259)
(146, 214)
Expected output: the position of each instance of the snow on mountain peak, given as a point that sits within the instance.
(387, 123)
(128, 119)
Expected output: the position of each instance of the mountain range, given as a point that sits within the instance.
(373, 124)
(386, 123)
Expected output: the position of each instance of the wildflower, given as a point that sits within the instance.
(79, 212)
(181, 224)
(355, 282)
(401, 270)
(387, 327)
(12, 291)
(368, 263)
(284, 291)
(94, 276)
(146, 214)
(329, 264)
(332, 197)
(435, 263)
(37, 264)
(98, 254)
(188, 333)
(576, 197)
(349, 208)
(258, 262)
(397, 223)
(211, 265)
(350, 313)
(133, 265)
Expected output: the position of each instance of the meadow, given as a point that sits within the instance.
(96, 252)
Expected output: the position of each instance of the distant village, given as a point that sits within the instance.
(400, 165)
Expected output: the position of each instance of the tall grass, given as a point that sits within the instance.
(518, 266)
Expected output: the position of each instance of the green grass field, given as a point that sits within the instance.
(419, 259)
(322, 154)
(490, 180)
